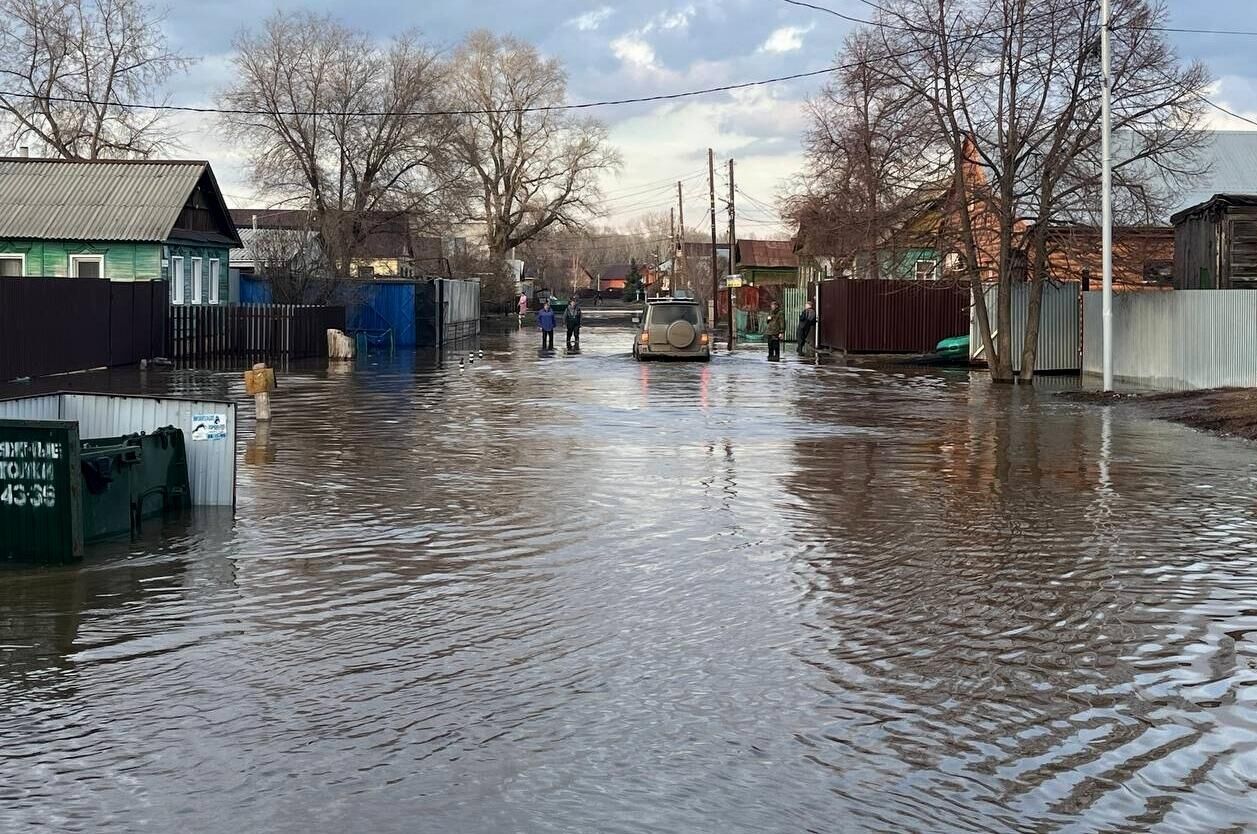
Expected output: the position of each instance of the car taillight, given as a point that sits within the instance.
(703, 339)
(645, 338)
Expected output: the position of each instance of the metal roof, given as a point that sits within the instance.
(1244, 200)
(769, 254)
(132, 200)
(1231, 157)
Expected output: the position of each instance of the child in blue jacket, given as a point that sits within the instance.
(545, 320)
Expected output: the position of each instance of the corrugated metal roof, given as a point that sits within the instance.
(94, 200)
(1232, 160)
(768, 254)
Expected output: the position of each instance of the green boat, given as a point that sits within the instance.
(955, 349)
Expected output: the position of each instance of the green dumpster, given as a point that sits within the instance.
(58, 492)
(41, 510)
(128, 479)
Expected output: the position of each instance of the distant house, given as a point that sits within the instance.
(614, 277)
(386, 245)
(767, 263)
(120, 220)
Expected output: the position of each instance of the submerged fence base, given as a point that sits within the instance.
(1177, 338)
(1059, 347)
(885, 316)
(294, 331)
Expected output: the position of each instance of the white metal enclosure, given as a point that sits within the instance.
(211, 453)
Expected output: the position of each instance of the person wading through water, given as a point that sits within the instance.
(572, 318)
(807, 320)
(545, 320)
(774, 328)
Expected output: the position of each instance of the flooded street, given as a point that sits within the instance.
(578, 594)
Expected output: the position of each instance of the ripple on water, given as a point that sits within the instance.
(579, 594)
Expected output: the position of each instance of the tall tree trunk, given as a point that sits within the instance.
(1034, 305)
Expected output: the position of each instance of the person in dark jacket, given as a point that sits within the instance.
(572, 317)
(774, 329)
(807, 320)
(545, 321)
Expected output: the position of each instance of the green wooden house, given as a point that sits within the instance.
(117, 220)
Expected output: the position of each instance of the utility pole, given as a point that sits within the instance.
(672, 236)
(1106, 187)
(715, 262)
(733, 239)
(680, 250)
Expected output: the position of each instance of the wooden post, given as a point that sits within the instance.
(262, 399)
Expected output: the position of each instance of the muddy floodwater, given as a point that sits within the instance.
(578, 594)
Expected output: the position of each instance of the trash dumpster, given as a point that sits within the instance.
(58, 492)
(128, 479)
(41, 511)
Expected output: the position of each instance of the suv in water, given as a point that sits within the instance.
(672, 328)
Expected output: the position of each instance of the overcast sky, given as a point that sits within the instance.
(645, 47)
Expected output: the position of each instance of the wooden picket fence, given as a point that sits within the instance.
(262, 331)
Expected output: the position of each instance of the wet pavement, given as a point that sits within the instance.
(576, 594)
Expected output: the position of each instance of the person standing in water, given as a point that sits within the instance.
(774, 329)
(545, 321)
(807, 320)
(572, 318)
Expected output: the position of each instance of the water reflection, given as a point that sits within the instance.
(582, 594)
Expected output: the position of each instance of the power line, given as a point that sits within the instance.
(883, 10)
(1226, 110)
(229, 111)
(654, 185)
(847, 17)
(1194, 31)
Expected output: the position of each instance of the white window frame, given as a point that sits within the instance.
(75, 260)
(933, 262)
(176, 279)
(213, 280)
(15, 256)
(198, 277)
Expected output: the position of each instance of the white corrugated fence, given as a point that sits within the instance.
(1177, 338)
(1059, 342)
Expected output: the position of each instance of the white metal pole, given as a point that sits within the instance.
(1106, 187)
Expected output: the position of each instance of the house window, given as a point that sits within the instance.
(1158, 272)
(366, 272)
(198, 283)
(213, 281)
(87, 266)
(176, 280)
(926, 270)
(12, 266)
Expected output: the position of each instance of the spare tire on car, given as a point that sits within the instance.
(681, 334)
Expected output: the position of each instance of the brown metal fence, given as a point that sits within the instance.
(886, 316)
(58, 325)
(293, 331)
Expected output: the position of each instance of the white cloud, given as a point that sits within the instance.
(634, 51)
(589, 21)
(678, 19)
(785, 39)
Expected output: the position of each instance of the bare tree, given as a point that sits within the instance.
(335, 123)
(292, 261)
(70, 70)
(1011, 90)
(532, 167)
(867, 176)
